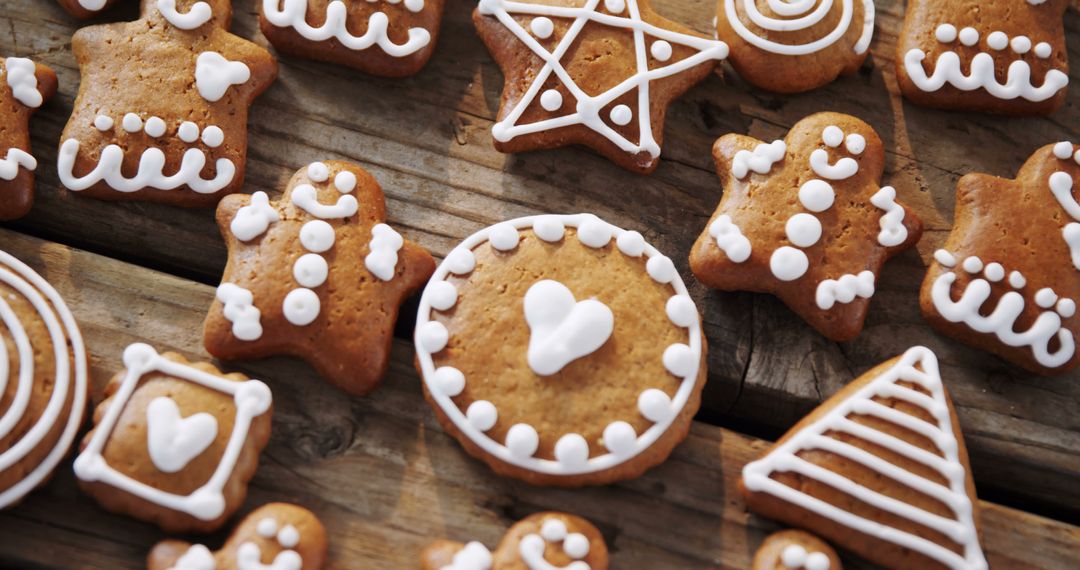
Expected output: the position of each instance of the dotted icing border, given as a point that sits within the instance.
(682, 360)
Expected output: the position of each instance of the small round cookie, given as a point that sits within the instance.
(43, 380)
(561, 350)
(795, 550)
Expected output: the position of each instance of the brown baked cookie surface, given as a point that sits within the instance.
(998, 57)
(161, 113)
(43, 380)
(174, 443)
(317, 275)
(1008, 279)
(791, 47)
(804, 219)
(390, 38)
(795, 550)
(25, 86)
(561, 350)
(542, 540)
(879, 469)
(582, 79)
(87, 8)
(277, 536)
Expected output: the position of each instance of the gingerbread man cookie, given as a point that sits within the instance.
(790, 47)
(390, 38)
(537, 542)
(318, 275)
(174, 443)
(561, 350)
(161, 113)
(879, 469)
(1007, 56)
(795, 550)
(1008, 278)
(601, 75)
(43, 380)
(25, 86)
(277, 536)
(804, 219)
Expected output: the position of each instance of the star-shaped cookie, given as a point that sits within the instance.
(1008, 279)
(804, 219)
(600, 74)
(161, 113)
(24, 86)
(317, 275)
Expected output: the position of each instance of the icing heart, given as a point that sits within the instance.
(563, 329)
(174, 441)
(214, 75)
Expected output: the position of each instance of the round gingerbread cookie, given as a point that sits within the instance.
(561, 350)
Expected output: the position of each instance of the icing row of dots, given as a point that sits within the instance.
(994, 272)
(1064, 150)
(212, 136)
(947, 34)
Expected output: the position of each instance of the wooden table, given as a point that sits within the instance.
(379, 470)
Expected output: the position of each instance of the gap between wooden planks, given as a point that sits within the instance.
(381, 473)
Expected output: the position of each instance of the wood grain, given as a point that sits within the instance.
(427, 139)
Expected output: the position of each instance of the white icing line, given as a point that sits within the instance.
(843, 169)
(844, 289)
(807, 20)
(384, 246)
(239, 309)
(150, 173)
(16, 157)
(760, 160)
(982, 75)
(252, 221)
(20, 74)
(173, 441)
(563, 329)
(893, 231)
(293, 14)
(730, 239)
(199, 14)
(214, 75)
(305, 197)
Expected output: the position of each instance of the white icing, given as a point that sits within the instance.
(730, 239)
(788, 263)
(213, 136)
(761, 160)
(251, 398)
(969, 36)
(305, 197)
(150, 173)
(661, 269)
(893, 232)
(197, 557)
(816, 195)
(103, 122)
(442, 295)
(311, 270)
(249, 557)
(960, 528)
(563, 329)
(16, 157)
(1061, 186)
(542, 27)
(844, 289)
(252, 220)
(832, 136)
(131, 123)
(173, 441)
(574, 545)
(385, 244)
(803, 230)
(20, 74)
(199, 14)
(187, 132)
(949, 70)
(450, 380)
(631, 243)
(155, 127)
(318, 172)
(345, 181)
(587, 108)
(292, 14)
(521, 439)
(482, 415)
(214, 75)
(855, 143)
(474, 556)
(549, 228)
(288, 536)
(317, 236)
(798, 16)
(239, 309)
(843, 169)
(267, 527)
(92, 5)
(572, 451)
(504, 237)
(796, 557)
(301, 306)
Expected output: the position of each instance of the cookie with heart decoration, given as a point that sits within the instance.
(276, 536)
(543, 540)
(174, 443)
(561, 350)
(24, 87)
(795, 550)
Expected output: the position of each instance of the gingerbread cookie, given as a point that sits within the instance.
(317, 275)
(795, 550)
(390, 38)
(43, 380)
(1000, 57)
(277, 536)
(1008, 278)
(24, 88)
(804, 219)
(789, 47)
(879, 469)
(561, 350)
(539, 541)
(600, 75)
(161, 113)
(174, 443)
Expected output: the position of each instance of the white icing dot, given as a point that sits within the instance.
(855, 143)
(945, 33)
(345, 181)
(621, 115)
(679, 360)
(414, 6)
(681, 310)
(661, 269)
(318, 172)
(461, 261)
(267, 527)
(450, 380)
(655, 405)
(816, 195)
(317, 236)
(310, 270)
(994, 272)
(549, 228)
(1066, 308)
(945, 258)
(542, 27)
(973, 264)
(522, 440)
(1063, 150)
(615, 6)
(103, 122)
(793, 556)
(482, 415)
(551, 100)
(433, 336)
(803, 230)
(1045, 297)
(594, 233)
(817, 561)
(188, 132)
(576, 546)
(1016, 279)
(572, 451)
(788, 263)
(301, 307)
(969, 36)
(619, 438)
(832, 136)
(155, 127)
(213, 136)
(661, 50)
(132, 123)
(503, 236)
(631, 243)
(553, 530)
(441, 295)
(1021, 44)
(997, 40)
(289, 536)
(1043, 50)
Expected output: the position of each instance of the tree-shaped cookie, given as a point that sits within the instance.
(879, 469)
(317, 275)
(161, 113)
(543, 540)
(599, 75)
(1006, 56)
(795, 550)
(391, 38)
(804, 219)
(25, 86)
(1008, 279)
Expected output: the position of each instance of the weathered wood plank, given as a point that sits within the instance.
(427, 139)
(385, 478)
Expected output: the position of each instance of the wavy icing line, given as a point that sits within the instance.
(21, 76)
(960, 529)
(730, 239)
(150, 173)
(16, 157)
(1061, 186)
(199, 14)
(844, 289)
(760, 160)
(293, 15)
(806, 20)
(474, 556)
(893, 232)
(948, 70)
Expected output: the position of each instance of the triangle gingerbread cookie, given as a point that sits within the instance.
(24, 87)
(879, 469)
(318, 275)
